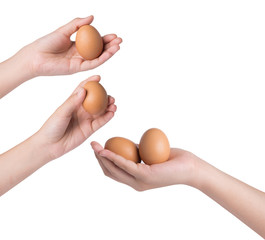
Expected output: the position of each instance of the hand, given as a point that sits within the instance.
(56, 54)
(71, 125)
(243, 201)
(179, 169)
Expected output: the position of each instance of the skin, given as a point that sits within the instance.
(70, 125)
(183, 167)
(55, 49)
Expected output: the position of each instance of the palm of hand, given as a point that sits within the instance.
(56, 54)
(177, 170)
(75, 131)
(65, 133)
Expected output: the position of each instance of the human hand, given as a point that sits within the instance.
(71, 125)
(56, 54)
(179, 169)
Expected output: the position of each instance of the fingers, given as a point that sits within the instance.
(101, 121)
(71, 104)
(106, 55)
(116, 173)
(111, 46)
(128, 166)
(108, 38)
(74, 25)
(111, 105)
(111, 100)
(97, 148)
(106, 117)
(104, 169)
(92, 78)
(111, 41)
(110, 169)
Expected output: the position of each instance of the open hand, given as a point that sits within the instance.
(179, 169)
(56, 54)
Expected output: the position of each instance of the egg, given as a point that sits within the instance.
(154, 147)
(123, 147)
(96, 100)
(88, 42)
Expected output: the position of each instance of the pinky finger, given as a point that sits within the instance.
(112, 108)
(111, 100)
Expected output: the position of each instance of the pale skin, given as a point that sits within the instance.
(70, 125)
(183, 167)
(53, 54)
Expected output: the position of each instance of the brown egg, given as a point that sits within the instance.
(123, 147)
(96, 100)
(89, 43)
(154, 147)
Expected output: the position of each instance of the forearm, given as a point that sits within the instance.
(242, 200)
(20, 162)
(14, 71)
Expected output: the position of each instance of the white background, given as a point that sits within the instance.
(195, 69)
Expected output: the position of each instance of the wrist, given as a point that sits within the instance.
(40, 149)
(204, 175)
(15, 71)
(23, 63)
(194, 176)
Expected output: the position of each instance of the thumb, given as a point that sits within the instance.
(71, 104)
(71, 27)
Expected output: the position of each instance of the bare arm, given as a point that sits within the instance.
(14, 71)
(67, 128)
(242, 200)
(20, 162)
(53, 54)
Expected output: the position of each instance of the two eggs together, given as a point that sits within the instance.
(154, 145)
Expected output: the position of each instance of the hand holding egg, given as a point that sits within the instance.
(71, 125)
(178, 169)
(57, 54)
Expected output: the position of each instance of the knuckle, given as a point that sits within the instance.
(76, 19)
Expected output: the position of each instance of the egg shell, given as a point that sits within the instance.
(123, 147)
(154, 147)
(96, 100)
(89, 43)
